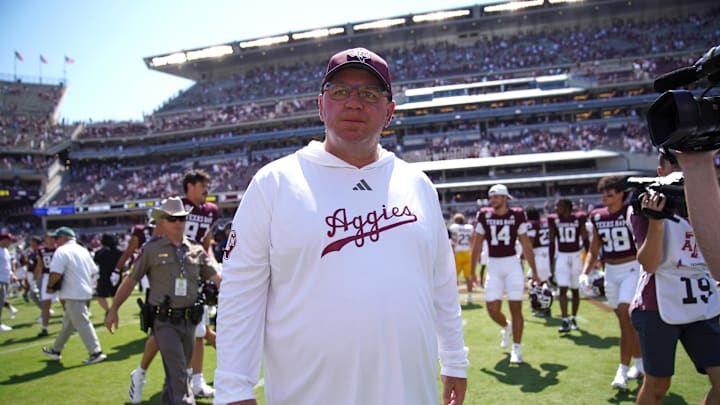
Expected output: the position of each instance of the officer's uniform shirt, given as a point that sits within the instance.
(164, 263)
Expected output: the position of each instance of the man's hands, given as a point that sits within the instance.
(112, 320)
(453, 390)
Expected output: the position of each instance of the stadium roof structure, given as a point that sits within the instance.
(509, 160)
(222, 61)
(454, 185)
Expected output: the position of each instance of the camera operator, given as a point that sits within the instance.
(676, 298)
(703, 202)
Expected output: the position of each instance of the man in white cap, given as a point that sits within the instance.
(173, 264)
(502, 226)
(72, 273)
(342, 212)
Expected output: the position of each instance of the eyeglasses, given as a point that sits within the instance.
(175, 219)
(367, 92)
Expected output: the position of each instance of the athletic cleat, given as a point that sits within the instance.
(573, 324)
(515, 356)
(565, 328)
(13, 312)
(5, 328)
(43, 333)
(137, 380)
(51, 353)
(39, 319)
(620, 381)
(95, 358)
(201, 389)
(506, 336)
(634, 372)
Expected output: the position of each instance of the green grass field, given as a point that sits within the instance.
(574, 369)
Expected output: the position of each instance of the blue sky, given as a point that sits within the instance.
(108, 40)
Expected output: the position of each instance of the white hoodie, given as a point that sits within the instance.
(343, 281)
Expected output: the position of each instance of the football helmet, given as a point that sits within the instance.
(593, 284)
(541, 297)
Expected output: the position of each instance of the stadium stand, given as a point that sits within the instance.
(578, 85)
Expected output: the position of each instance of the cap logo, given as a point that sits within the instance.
(361, 54)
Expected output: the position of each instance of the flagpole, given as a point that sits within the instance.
(15, 67)
(40, 59)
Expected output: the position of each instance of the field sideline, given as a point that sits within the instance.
(573, 369)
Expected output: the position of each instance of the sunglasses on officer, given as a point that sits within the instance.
(174, 219)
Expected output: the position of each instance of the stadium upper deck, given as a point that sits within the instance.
(240, 119)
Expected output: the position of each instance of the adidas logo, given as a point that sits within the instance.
(362, 185)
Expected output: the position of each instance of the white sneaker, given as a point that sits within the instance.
(95, 358)
(13, 312)
(620, 381)
(137, 380)
(200, 388)
(634, 372)
(515, 356)
(469, 299)
(506, 336)
(51, 353)
(5, 328)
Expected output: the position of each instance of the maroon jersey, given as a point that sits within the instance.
(568, 231)
(200, 219)
(46, 254)
(539, 232)
(501, 232)
(616, 239)
(141, 232)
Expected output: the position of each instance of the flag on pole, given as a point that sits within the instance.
(19, 56)
(42, 59)
(69, 60)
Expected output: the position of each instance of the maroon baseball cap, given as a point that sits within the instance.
(7, 235)
(359, 58)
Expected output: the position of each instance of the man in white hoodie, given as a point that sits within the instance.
(339, 274)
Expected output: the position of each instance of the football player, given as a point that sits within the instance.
(502, 226)
(612, 234)
(42, 273)
(539, 234)
(568, 230)
(461, 233)
(200, 222)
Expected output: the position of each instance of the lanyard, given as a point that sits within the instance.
(180, 254)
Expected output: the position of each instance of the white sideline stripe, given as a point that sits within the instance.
(50, 339)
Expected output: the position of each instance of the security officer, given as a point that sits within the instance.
(173, 264)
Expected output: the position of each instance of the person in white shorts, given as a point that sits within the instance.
(569, 233)
(42, 272)
(502, 226)
(539, 234)
(612, 233)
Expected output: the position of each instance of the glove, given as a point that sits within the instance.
(114, 278)
(584, 284)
